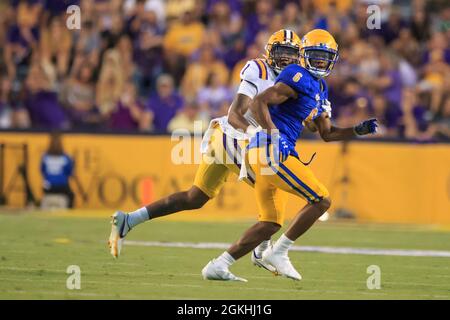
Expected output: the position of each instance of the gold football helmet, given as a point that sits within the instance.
(283, 49)
(318, 52)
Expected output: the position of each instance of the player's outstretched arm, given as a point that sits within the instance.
(237, 110)
(277, 94)
(328, 132)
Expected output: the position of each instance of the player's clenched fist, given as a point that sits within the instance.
(366, 127)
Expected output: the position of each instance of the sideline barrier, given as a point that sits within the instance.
(377, 182)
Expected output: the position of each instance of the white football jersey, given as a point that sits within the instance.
(256, 76)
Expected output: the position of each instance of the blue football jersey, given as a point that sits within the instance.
(289, 115)
(56, 169)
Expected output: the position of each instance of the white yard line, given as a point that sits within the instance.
(73, 294)
(334, 250)
(217, 288)
(197, 275)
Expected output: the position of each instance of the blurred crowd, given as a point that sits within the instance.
(159, 65)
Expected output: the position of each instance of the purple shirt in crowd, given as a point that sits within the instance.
(164, 109)
(393, 93)
(253, 27)
(15, 3)
(390, 32)
(121, 118)
(340, 100)
(392, 116)
(56, 7)
(420, 115)
(45, 110)
(16, 37)
(232, 57)
(148, 60)
(235, 5)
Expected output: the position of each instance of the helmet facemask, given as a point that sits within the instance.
(283, 55)
(319, 61)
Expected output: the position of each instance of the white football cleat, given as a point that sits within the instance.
(212, 271)
(282, 263)
(262, 264)
(119, 229)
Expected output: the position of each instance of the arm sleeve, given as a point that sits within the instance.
(325, 98)
(249, 79)
(248, 89)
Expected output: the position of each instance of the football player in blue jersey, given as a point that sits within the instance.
(226, 138)
(298, 98)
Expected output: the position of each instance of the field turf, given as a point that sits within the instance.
(37, 248)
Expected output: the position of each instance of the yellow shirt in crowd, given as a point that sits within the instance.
(184, 39)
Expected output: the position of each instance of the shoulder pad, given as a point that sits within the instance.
(255, 70)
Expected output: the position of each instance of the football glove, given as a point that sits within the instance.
(326, 105)
(366, 127)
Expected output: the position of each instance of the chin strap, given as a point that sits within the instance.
(274, 68)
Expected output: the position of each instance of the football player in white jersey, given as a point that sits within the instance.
(223, 147)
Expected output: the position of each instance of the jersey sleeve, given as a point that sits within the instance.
(324, 88)
(295, 77)
(324, 102)
(249, 79)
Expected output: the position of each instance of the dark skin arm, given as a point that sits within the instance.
(328, 132)
(277, 94)
(237, 110)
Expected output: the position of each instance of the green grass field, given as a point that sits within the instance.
(36, 249)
